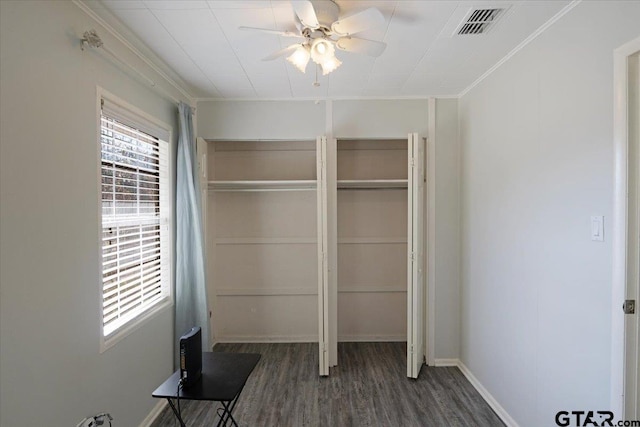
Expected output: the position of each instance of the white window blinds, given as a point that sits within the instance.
(135, 220)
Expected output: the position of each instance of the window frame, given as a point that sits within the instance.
(158, 129)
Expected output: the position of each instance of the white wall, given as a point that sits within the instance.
(52, 372)
(537, 162)
(447, 244)
(260, 119)
(379, 118)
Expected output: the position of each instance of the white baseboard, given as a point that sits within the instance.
(446, 362)
(155, 412)
(497, 408)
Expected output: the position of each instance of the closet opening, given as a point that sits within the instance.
(372, 208)
(380, 226)
(267, 243)
(263, 240)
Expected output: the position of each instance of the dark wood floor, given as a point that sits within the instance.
(369, 387)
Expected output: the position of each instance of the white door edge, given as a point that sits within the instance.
(619, 226)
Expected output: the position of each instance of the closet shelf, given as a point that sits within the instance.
(367, 289)
(371, 240)
(272, 292)
(263, 185)
(372, 183)
(266, 241)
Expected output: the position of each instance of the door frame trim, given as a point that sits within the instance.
(619, 221)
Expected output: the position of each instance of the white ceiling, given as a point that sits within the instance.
(201, 42)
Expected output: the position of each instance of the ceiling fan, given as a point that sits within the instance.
(322, 30)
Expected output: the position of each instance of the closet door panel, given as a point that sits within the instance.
(284, 214)
(260, 318)
(372, 316)
(415, 274)
(324, 333)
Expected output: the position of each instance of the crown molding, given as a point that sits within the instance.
(330, 98)
(521, 46)
(155, 64)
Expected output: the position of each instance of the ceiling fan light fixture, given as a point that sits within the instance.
(318, 23)
(322, 50)
(331, 64)
(300, 58)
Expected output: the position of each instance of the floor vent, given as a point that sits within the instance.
(479, 21)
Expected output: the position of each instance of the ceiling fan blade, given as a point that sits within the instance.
(359, 22)
(356, 45)
(305, 12)
(276, 32)
(281, 52)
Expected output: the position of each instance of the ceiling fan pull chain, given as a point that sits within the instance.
(316, 83)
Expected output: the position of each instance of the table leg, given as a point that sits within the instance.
(226, 415)
(176, 413)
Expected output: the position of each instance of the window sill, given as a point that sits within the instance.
(128, 328)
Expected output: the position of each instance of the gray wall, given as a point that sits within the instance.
(537, 162)
(52, 372)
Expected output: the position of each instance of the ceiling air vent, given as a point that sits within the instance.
(479, 21)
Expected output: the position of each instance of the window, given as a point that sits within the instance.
(135, 207)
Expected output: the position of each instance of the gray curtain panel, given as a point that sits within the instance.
(191, 307)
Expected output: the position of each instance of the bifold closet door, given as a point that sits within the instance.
(415, 269)
(202, 148)
(323, 266)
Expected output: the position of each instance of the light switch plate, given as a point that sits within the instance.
(597, 228)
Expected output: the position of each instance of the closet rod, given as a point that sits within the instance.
(375, 184)
(287, 185)
(257, 190)
(261, 140)
(372, 188)
(274, 150)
